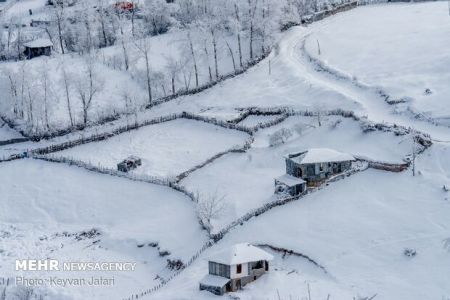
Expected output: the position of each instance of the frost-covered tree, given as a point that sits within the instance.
(210, 207)
(87, 85)
(157, 16)
(143, 47)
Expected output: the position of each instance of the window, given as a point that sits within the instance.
(219, 269)
(239, 269)
(310, 170)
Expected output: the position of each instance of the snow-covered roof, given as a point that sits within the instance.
(322, 155)
(213, 280)
(290, 180)
(239, 254)
(39, 43)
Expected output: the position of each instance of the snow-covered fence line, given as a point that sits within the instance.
(103, 170)
(213, 83)
(103, 136)
(116, 116)
(254, 213)
(320, 15)
(366, 125)
(157, 287)
(164, 181)
(324, 67)
(214, 121)
(271, 123)
(385, 166)
(238, 149)
(256, 111)
(280, 202)
(294, 253)
(106, 135)
(369, 2)
(13, 141)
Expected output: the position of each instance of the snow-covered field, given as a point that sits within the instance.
(252, 183)
(166, 149)
(39, 205)
(357, 228)
(400, 48)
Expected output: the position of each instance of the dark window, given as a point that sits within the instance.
(219, 269)
(239, 269)
(310, 170)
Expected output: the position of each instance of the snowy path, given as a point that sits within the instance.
(291, 54)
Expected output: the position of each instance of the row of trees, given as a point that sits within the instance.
(219, 36)
(36, 95)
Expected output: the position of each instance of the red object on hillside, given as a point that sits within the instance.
(125, 5)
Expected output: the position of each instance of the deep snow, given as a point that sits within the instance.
(166, 149)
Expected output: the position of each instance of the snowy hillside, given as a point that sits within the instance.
(158, 134)
(400, 49)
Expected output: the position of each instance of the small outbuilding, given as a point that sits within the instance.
(288, 184)
(234, 267)
(318, 164)
(37, 48)
(131, 163)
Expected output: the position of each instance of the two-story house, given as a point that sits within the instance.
(234, 267)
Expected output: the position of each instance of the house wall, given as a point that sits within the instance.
(316, 172)
(213, 289)
(251, 275)
(35, 52)
(235, 275)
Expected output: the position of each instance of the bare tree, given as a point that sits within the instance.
(205, 49)
(45, 88)
(238, 33)
(143, 47)
(87, 86)
(210, 207)
(252, 5)
(173, 67)
(59, 17)
(67, 87)
(123, 39)
(214, 42)
(231, 55)
(194, 60)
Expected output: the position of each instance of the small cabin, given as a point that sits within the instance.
(317, 165)
(234, 267)
(37, 48)
(290, 185)
(131, 163)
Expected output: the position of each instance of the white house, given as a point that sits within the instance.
(234, 267)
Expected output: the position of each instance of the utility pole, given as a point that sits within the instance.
(270, 66)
